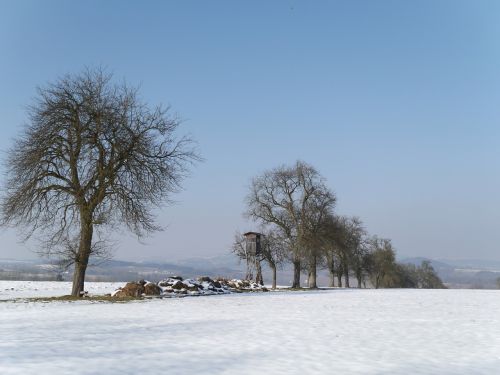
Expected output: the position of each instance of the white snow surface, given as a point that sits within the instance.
(26, 289)
(342, 331)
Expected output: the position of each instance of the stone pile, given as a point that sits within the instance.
(177, 286)
(138, 289)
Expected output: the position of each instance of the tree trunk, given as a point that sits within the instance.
(78, 279)
(273, 268)
(359, 277)
(82, 258)
(312, 281)
(346, 276)
(258, 277)
(331, 272)
(339, 277)
(296, 274)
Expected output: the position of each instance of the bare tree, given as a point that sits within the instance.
(332, 241)
(239, 249)
(345, 250)
(274, 250)
(93, 156)
(384, 267)
(428, 278)
(356, 246)
(337, 248)
(283, 197)
(319, 206)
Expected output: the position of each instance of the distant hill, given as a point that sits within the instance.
(223, 261)
(491, 265)
(436, 264)
(465, 273)
(116, 270)
(454, 273)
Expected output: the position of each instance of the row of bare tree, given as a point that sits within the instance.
(295, 211)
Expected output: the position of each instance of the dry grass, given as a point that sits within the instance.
(96, 298)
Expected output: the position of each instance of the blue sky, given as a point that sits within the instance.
(396, 103)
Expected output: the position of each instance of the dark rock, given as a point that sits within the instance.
(130, 290)
(178, 285)
(151, 289)
(217, 284)
(245, 283)
(205, 279)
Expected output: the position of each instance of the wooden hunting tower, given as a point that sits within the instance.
(253, 243)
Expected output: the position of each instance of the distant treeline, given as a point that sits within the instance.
(28, 276)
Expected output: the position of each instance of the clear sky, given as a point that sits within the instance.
(396, 103)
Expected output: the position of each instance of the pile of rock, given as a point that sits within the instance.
(138, 289)
(203, 285)
(177, 286)
(243, 285)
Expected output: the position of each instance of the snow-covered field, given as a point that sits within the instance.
(25, 289)
(323, 332)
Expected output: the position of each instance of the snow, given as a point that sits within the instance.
(26, 289)
(321, 332)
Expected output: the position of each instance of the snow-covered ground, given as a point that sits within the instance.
(323, 332)
(25, 289)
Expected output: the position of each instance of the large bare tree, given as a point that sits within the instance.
(318, 207)
(239, 248)
(92, 155)
(274, 251)
(356, 246)
(288, 198)
(383, 268)
(332, 239)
